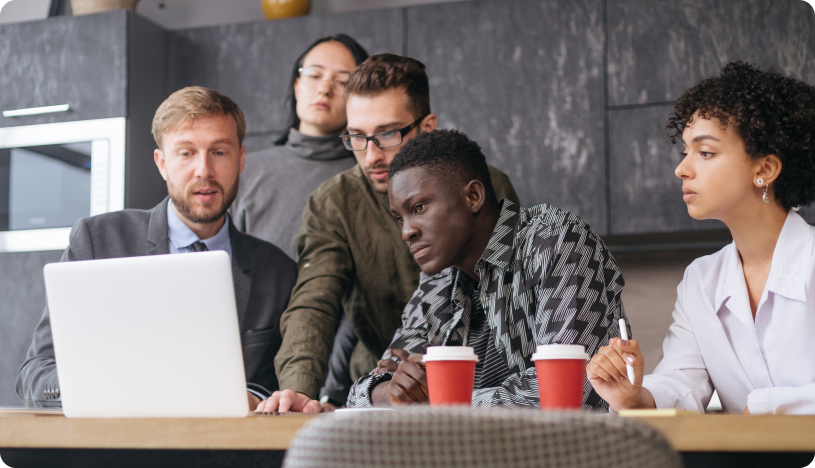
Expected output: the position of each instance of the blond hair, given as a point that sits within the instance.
(187, 103)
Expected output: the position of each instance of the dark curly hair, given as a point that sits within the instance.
(772, 113)
(446, 152)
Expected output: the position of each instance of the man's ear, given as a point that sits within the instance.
(243, 157)
(428, 124)
(158, 157)
(476, 195)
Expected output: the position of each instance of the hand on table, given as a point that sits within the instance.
(408, 384)
(607, 374)
(288, 400)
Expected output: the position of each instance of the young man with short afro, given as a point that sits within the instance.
(497, 277)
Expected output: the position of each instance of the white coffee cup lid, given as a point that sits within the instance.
(450, 353)
(560, 351)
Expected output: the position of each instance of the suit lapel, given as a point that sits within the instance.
(241, 272)
(158, 235)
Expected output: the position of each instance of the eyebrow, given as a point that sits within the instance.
(222, 140)
(378, 127)
(705, 137)
(323, 67)
(216, 142)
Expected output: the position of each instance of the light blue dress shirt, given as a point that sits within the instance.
(182, 237)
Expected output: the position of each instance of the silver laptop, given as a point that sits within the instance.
(153, 336)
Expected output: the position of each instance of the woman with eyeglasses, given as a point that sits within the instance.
(276, 182)
(744, 318)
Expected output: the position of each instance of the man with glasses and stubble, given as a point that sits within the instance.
(351, 253)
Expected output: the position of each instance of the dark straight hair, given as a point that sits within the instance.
(359, 54)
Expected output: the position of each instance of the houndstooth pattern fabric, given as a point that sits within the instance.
(441, 438)
(544, 278)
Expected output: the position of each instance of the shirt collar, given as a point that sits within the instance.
(182, 236)
(502, 242)
(791, 258)
(788, 270)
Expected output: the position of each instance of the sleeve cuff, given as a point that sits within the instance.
(304, 383)
(759, 402)
(662, 398)
(360, 395)
(258, 390)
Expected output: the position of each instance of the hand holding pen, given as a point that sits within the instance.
(616, 373)
(629, 369)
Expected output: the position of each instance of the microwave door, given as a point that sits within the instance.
(46, 186)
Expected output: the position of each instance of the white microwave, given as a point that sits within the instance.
(52, 175)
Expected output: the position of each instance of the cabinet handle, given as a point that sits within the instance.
(36, 110)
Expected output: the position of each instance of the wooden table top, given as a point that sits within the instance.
(685, 433)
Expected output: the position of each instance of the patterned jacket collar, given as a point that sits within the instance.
(502, 243)
(499, 252)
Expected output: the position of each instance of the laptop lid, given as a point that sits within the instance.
(153, 336)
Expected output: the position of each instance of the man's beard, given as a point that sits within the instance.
(211, 211)
(376, 183)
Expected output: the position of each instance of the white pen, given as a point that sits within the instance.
(624, 335)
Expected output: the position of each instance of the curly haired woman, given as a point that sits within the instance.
(745, 316)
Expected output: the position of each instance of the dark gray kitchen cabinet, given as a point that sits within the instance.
(80, 61)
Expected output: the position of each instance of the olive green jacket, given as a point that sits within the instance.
(351, 257)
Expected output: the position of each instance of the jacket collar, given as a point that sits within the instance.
(241, 256)
(500, 248)
(158, 232)
(241, 271)
(788, 271)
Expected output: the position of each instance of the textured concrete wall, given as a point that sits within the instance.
(656, 50)
(252, 62)
(525, 80)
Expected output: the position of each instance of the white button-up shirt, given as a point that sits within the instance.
(768, 364)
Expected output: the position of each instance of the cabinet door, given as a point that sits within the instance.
(80, 61)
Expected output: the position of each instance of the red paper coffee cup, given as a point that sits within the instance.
(561, 371)
(450, 374)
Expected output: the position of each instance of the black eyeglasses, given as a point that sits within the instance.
(386, 139)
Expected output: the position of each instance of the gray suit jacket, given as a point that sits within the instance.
(263, 275)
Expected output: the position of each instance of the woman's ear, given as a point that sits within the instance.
(768, 168)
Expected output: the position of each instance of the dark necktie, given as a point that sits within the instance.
(199, 246)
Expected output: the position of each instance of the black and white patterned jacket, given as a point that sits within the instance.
(544, 278)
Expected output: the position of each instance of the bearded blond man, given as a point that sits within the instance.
(200, 154)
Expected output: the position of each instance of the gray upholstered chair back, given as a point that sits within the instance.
(460, 437)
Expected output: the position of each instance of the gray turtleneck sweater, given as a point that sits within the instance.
(275, 185)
